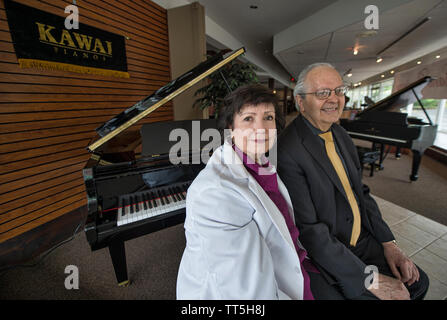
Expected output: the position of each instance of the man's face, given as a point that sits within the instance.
(322, 113)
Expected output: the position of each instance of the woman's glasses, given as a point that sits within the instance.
(325, 93)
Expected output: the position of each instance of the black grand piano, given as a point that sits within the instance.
(128, 197)
(384, 124)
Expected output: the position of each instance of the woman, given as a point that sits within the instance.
(241, 238)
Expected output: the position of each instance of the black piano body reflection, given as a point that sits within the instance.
(384, 124)
(129, 196)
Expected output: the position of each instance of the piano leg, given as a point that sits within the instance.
(398, 154)
(118, 254)
(381, 158)
(417, 155)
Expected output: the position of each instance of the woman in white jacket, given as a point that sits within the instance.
(242, 242)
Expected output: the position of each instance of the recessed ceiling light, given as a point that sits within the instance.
(419, 62)
(355, 52)
(349, 75)
(392, 71)
(379, 59)
(382, 76)
(438, 56)
(253, 7)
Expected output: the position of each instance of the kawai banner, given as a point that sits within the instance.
(42, 41)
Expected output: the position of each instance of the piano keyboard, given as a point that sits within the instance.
(150, 203)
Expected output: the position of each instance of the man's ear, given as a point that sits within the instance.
(300, 100)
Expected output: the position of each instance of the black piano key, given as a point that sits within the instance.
(177, 194)
(172, 194)
(161, 197)
(181, 193)
(149, 200)
(123, 207)
(154, 201)
(137, 203)
(144, 201)
(166, 196)
(131, 204)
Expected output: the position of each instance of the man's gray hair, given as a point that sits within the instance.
(300, 88)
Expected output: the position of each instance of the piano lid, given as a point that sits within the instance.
(399, 99)
(163, 95)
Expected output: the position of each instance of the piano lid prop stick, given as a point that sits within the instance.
(143, 114)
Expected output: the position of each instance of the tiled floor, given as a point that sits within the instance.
(423, 240)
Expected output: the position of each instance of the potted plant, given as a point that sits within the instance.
(228, 78)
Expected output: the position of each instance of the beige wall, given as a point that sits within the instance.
(187, 48)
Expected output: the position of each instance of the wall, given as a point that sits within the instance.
(187, 44)
(47, 118)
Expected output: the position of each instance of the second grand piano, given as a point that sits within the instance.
(383, 123)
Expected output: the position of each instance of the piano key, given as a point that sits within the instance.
(160, 195)
(144, 205)
(172, 193)
(131, 204)
(143, 196)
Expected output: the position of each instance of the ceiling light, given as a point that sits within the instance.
(274, 91)
(379, 59)
(349, 74)
(355, 52)
(438, 56)
(382, 76)
(392, 71)
(419, 62)
(359, 83)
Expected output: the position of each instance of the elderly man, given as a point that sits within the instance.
(339, 222)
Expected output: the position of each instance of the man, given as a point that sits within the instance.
(339, 222)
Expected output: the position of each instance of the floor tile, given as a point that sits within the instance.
(391, 213)
(432, 264)
(413, 233)
(428, 225)
(439, 247)
(407, 246)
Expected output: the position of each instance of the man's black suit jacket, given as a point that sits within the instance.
(322, 211)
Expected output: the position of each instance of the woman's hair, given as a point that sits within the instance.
(252, 94)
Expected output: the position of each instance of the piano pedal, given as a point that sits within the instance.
(124, 284)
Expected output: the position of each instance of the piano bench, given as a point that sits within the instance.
(368, 156)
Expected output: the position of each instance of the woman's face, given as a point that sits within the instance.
(254, 129)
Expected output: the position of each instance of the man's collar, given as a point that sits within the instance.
(314, 130)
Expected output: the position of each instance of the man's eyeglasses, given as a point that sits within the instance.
(325, 93)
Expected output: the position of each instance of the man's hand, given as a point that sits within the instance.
(401, 266)
(388, 288)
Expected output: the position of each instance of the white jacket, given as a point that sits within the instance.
(238, 244)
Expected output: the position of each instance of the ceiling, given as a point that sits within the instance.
(283, 36)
